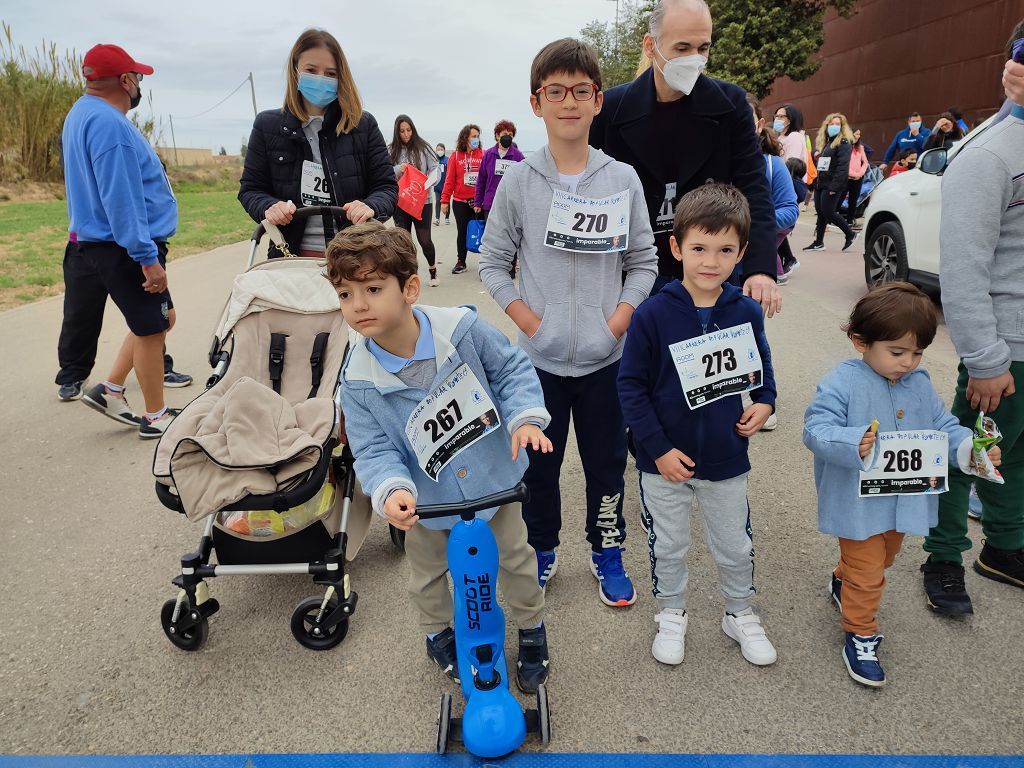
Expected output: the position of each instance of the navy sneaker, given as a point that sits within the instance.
(973, 503)
(173, 379)
(614, 587)
(860, 654)
(532, 667)
(441, 650)
(547, 564)
(835, 591)
(71, 391)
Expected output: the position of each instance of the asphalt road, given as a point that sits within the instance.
(88, 554)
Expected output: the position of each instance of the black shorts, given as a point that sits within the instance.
(145, 313)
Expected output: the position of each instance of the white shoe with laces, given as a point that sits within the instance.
(669, 643)
(770, 423)
(745, 628)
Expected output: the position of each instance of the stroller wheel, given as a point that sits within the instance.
(397, 536)
(187, 633)
(444, 721)
(543, 717)
(308, 629)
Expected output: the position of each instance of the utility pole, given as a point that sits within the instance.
(174, 142)
(252, 88)
(616, 24)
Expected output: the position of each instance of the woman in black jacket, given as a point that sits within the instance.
(945, 133)
(832, 159)
(321, 148)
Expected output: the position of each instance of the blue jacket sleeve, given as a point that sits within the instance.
(119, 180)
(893, 151)
(825, 430)
(637, 366)
(766, 393)
(787, 210)
(511, 376)
(380, 464)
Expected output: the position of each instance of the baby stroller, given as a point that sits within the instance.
(260, 454)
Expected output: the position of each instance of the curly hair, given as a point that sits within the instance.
(505, 125)
(368, 249)
(462, 143)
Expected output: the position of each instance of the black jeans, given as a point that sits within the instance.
(463, 214)
(853, 187)
(826, 203)
(422, 225)
(593, 403)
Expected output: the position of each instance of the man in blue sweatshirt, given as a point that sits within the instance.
(122, 212)
(912, 137)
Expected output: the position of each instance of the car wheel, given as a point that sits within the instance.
(885, 257)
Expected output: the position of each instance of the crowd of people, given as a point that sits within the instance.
(640, 272)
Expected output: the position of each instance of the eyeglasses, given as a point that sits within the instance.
(138, 76)
(556, 93)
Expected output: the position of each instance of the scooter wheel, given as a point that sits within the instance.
(397, 537)
(308, 630)
(188, 639)
(543, 718)
(444, 721)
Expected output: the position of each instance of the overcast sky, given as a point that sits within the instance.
(444, 69)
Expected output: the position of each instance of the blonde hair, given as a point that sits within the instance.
(348, 95)
(844, 131)
(643, 65)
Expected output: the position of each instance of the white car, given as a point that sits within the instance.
(901, 223)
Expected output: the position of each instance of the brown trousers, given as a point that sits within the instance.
(426, 551)
(861, 568)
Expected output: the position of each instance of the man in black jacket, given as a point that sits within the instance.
(679, 129)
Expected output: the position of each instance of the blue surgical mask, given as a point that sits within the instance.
(318, 90)
(916, 125)
(779, 126)
(833, 131)
(474, 143)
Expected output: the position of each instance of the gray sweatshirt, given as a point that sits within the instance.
(982, 249)
(574, 294)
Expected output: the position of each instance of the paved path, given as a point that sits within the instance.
(88, 554)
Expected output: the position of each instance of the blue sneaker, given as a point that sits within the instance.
(614, 586)
(974, 504)
(547, 564)
(174, 379)
(860, 654)
(835, 590)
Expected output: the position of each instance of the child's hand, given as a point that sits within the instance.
(530, 434)
(867, 443)
(675, 466)
(753, 419)
(400, 509)
(995, 455)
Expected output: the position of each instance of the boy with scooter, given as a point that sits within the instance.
(415, 391)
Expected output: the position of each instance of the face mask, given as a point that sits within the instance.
(916, 125)
(911, 165)
(440, 155)
(779, 126)
(318, 90)
(833, 131)
(681, 73)
(505, 141)
(474, 143)
(136, 99)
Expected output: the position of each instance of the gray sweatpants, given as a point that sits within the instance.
(666, 508)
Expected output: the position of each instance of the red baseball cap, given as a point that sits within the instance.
(106, 60)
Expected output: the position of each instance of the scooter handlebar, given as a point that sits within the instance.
(466, 509)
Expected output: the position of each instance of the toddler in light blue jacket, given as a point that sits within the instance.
(881, 439)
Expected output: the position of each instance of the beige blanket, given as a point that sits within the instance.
(251, 442)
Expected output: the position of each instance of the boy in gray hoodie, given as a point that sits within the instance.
(577, 221)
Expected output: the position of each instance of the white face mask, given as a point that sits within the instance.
(682, 72)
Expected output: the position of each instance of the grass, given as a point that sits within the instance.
(33, 234)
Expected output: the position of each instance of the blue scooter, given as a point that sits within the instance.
(492, 724)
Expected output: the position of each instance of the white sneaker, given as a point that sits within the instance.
(669, 643)
(771, 423)
(745, 628)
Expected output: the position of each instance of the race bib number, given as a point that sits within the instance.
(717, 364)
(500, 166)
(469, 179)
(667, 212)
(588, 225)
(824, 163)
(314, 184)
(449, 420)
(907, 463)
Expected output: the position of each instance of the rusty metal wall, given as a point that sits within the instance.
(895, 57)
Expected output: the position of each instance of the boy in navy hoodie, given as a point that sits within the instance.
(690, 351)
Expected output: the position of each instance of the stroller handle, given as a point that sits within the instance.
(303, 213)
(466, 509)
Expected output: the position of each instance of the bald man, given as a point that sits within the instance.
(679, 129)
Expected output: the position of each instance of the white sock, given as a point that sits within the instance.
(432, 635)
(156, 416)
(113, 389)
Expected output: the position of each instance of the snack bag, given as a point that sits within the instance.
(986, 434)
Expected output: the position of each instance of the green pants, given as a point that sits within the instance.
(1002, 519)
